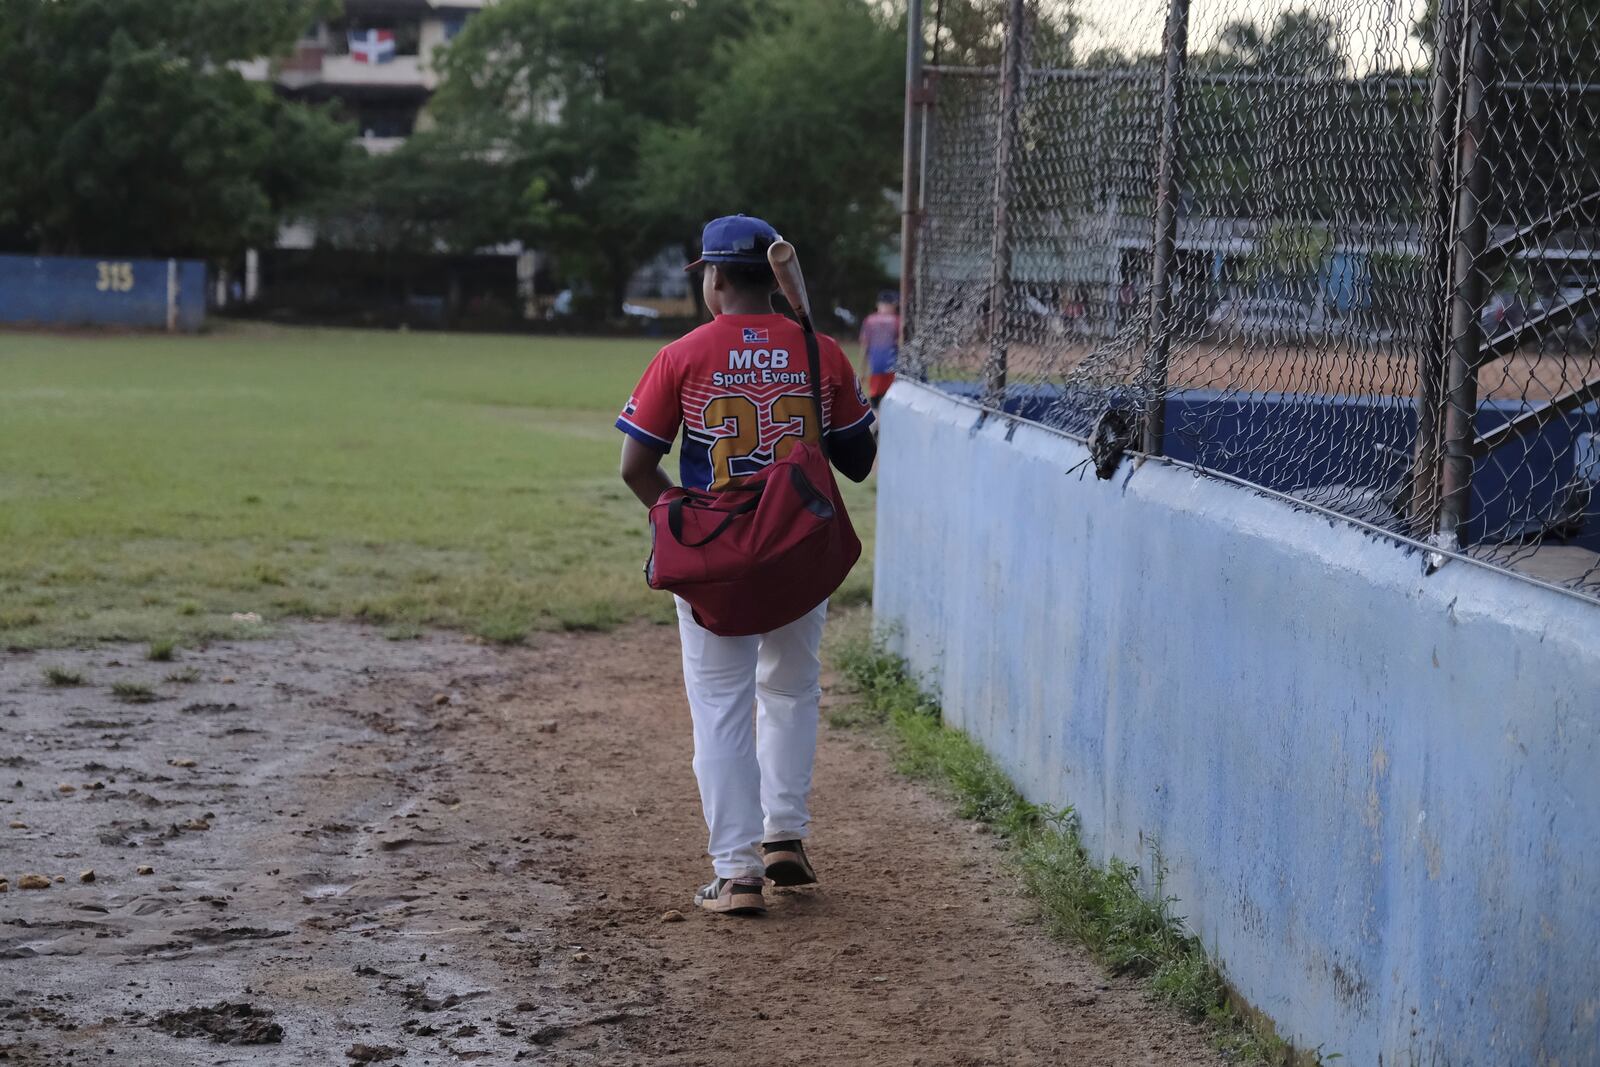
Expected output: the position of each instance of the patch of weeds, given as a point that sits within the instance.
(132, 692)
(1103, 908)
(162, 650)
(851, 596)
(403, 632)
(502, 631)
(185, 677)
(589, 618)
(266, 574)
(188, 607)
(61, 676)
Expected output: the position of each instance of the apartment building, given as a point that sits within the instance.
(374, 61)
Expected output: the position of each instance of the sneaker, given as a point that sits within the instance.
(787, 864)
(725, 896)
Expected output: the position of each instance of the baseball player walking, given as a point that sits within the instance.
(739, 388)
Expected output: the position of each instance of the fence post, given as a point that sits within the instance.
(994, 385)
(1176, 44)
(1422, 498)
(1466, 301)
(172, 296)
(910, 170)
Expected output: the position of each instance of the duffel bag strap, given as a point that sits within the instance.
(675, 520)
(814, 365)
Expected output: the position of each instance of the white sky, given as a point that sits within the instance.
(1376, 33)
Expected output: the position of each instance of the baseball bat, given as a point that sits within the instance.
(786, 269)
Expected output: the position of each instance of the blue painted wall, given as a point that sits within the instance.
(1377, 794)
(65, 291)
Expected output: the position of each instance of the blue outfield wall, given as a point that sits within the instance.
(1376, 794)
(68, 291)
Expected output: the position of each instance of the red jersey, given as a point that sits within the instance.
(740, 388)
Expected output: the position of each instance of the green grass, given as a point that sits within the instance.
(132, 692)
(61, 676)
(155, 486)
(162, 650)
(1130, 931)
(186, 676)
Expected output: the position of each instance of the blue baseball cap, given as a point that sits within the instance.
(735, 239)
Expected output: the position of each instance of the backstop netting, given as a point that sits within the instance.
(1344, 252)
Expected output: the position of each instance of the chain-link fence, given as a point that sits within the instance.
(1344, 251)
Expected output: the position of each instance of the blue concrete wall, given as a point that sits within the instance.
(65, 291)
(1377, 794)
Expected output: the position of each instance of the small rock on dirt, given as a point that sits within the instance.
(86, 876)
(549, 726)
(372, 1053)
(441, 698)
(672, 915)
(67, 787)
(181, 762)
(18, 825)
(145, 870)
(33, 881)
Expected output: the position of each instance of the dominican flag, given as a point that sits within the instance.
(372, 46)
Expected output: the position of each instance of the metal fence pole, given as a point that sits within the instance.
(994, 385)
(911, 169)
(1471, 236)
(1176, 44)
(1423, 496)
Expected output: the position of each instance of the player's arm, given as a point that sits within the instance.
(641, 470)
(851, 444)
(854, 455)
(649, 421)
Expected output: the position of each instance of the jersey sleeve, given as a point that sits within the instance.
(848, 410)
(652, 414)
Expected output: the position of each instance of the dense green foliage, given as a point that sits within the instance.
(602, 130)
(124, 130)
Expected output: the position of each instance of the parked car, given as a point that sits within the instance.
(1263, 315)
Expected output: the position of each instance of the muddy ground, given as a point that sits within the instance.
(433, 851)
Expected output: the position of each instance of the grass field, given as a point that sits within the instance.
(152, 487)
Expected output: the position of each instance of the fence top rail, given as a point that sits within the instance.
(1388, 79)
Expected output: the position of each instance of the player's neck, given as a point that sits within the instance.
(747, 305)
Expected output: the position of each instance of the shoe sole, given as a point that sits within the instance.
(734, 909)
(789, 873)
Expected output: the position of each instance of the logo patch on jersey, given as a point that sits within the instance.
(754, 336)
(861, 394)
(631, 406)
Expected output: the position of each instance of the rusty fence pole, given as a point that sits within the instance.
(1471, 237)
(1154, 377)
(994, 378)
(911, 168)
(1422, 497)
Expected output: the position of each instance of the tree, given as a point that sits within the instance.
(800, 125)
(555, 98)
(128, 132)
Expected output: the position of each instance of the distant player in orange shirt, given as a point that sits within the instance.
(880, 345)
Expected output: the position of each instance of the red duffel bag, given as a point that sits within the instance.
(760, 554)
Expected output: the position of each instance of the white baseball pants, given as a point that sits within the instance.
(754, 768)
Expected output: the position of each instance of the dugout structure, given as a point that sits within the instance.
(1342, 252)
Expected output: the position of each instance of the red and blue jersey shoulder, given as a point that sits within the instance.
(739, 390)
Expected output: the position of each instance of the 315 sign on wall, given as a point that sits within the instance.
(115, 277)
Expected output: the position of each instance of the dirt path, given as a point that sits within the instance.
(433, 851)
